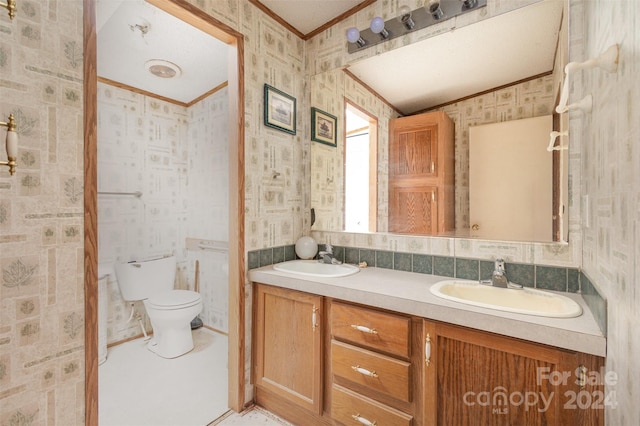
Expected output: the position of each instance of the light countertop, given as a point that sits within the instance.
(408, 292)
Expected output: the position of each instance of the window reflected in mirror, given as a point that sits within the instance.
(360, 170)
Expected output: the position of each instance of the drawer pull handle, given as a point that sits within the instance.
(364, 371)
(359, 418)
(364, 329)
(314, 318)
(427, 350)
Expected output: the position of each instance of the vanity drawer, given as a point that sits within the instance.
(374, 329)
(349, 408)
(375, 371)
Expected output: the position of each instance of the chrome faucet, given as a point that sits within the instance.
(499, 277)
(326, 255)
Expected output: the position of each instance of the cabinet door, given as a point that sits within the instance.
(288, 351)
(413, 209)
(413, 151)
(478, 378)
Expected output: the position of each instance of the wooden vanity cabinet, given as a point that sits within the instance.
(473, 377)
(319, 361)
(422, 174)
(288, 351)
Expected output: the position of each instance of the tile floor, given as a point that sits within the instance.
(254, 416)
(139, 388)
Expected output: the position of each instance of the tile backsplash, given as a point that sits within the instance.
(543, 277)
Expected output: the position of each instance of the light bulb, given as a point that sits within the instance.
(353, 35)
(377, 27)
(405, 17)
(435, 10)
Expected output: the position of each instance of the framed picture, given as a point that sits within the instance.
(323, 127)
(279, 110)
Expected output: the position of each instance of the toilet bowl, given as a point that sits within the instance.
(170, 311)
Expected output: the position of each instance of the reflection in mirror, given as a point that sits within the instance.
(360, 170)
(523, 98)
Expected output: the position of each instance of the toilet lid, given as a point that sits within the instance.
(174, 299)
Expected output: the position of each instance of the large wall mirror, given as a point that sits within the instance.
(506, 68)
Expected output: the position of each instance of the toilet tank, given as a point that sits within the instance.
(144, 279)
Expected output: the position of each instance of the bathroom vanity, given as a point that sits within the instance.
(378, 348)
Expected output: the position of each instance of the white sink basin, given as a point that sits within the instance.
(524, 301)
(314, 268)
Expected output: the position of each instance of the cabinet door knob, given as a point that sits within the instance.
(364, 329)
(475, 227)
(427, 350)
(364, 371)
(359, 418)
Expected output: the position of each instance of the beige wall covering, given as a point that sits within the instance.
(41, 217)
(608, 138)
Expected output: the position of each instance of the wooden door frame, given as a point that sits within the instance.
(197, 18)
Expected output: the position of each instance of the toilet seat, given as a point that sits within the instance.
(174, 299)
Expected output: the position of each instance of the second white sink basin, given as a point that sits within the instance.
(523, 301)
(314, 268)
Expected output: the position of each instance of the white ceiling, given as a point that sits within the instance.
(307, 15)
(462, 62)
(469, 60)
(122, 52)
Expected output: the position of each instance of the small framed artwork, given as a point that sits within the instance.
(279, 110)
(323, 127)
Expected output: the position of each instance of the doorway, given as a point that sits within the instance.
(194, 17)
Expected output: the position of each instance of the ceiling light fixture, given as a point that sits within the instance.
(163, 69)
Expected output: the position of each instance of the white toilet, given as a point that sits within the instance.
(169, 310)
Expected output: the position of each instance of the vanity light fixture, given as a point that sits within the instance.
(407, 20)
(435, 10)
(377, 27)
(468, 3)
(10, 5)
(12, 144)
